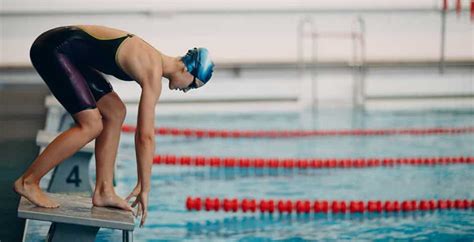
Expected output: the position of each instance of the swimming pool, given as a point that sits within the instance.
(169, 220)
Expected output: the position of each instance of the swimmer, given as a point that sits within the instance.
(72, 60)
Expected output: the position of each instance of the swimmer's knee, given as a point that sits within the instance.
(112, 108)
(121, 113)
(93, 127)
(90, 122)
(117, 114)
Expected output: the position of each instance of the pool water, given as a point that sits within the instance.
(169, 220)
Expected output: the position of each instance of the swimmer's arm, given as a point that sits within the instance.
(145, 133)
(143, 66)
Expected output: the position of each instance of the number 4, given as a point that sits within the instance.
(73, 177)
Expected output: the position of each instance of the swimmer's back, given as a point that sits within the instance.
(102, 32)
(134, 50)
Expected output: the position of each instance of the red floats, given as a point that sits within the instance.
(288, 163)
(303, 206)
(170, 160)
(302, 164)
(322, 206)
(303, 133)
(230, 205)
(229, 162)
(472, 10)
(267, 206)
(193, 204)
(424, 205)
(211, 204)
(409, 206)
(443, 204)
(305, 163)
(285, 206)
(461, 204)
(315, 164)
(128, 129)
(244, 162)
(374, 206)
(356, 207)
(215, 161)
(259, 163)
(338, 206)
(273, 163)
(391, 206)
(248, 205)
(200, 161)
(157, 160)
(184, 160)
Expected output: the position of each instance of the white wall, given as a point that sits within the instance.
(265, 31)
(247, 30)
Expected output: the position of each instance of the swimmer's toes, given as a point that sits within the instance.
(54, 205)
(51, 204)
(124, 205)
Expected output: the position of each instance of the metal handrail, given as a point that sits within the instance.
(307, 21)
(357, 35)
(359, 63)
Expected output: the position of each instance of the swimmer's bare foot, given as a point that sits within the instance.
(33, 193)
(109, 199)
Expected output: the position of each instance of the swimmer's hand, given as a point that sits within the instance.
(142, 201)
(135, 192)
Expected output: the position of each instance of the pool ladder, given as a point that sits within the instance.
(357, 62)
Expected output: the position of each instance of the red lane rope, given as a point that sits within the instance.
(322, 206)
(306, 163)
(211, 133)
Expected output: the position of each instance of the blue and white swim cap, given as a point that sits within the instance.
(199, 64)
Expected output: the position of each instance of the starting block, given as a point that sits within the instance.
(77, 219)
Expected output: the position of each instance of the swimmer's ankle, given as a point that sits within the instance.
(104, 188)
(29, 180)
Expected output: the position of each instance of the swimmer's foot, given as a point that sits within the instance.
(33, 193)
(110, 199)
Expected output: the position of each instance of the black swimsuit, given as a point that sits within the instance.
(70, 61)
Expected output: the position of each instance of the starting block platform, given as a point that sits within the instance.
(77, 219)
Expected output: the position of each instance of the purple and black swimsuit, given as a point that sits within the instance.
(70, 61)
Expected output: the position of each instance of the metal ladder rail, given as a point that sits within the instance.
(359, 63)
(358, 59)
(307, 21)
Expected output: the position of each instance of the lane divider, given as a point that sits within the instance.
(214, 133)
(306, 163)
(322, 206)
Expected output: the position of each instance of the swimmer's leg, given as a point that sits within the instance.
(88, 126)
(113, 114)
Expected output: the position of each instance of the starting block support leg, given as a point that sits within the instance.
(71, 232)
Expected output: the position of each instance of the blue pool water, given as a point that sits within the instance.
(169, 220)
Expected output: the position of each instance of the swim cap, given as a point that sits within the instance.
(199, 63)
